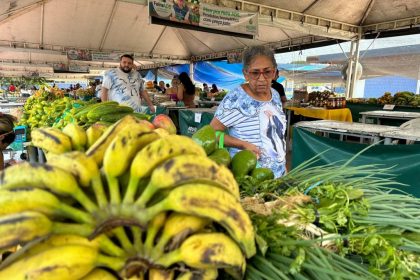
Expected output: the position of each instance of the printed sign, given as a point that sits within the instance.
(204, 16)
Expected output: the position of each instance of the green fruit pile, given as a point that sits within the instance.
(105, 112)
(45, 109)
(243, 163)
(139, 203)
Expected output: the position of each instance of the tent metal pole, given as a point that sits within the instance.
(418, 81)
(356, 62)
(349, 69)
(192, 71)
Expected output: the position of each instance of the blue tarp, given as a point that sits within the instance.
(221, 73)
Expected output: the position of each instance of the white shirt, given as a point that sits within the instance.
(125, 88)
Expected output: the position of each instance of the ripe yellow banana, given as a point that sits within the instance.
(51, 139)
(97, 150)
(76, 162)
(32, 199)
(208, 251)
(161, 274)
(77, 136)
(185, 169)
(99, 274)
(23, 227)
(152, 230)
(177, 227)
(205, 274)
(162, 132)
(209, 202)
(94, 132)
(154, 154)
(47, 177)
(120, 153)
(66, 262)
(84, 169)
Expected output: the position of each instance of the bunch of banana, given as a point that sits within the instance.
(138, 204)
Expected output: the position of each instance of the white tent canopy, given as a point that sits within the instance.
(34, 34)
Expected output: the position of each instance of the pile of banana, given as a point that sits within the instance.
(138, 204)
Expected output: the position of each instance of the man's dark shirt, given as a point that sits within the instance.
(279, 87)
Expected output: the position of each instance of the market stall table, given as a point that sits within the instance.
(382, 114)
(361, 130)
(409, 134)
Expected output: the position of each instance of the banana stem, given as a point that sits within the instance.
(114, 189)
(81, 197)
(98, 188)
(113, 263)
(131, 190)
(123, 238)
(106, 245)
(77, 229)
(137, 234)
(75, 214)
(144, 216)
(146, 195)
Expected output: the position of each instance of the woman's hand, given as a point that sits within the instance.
(253, 148)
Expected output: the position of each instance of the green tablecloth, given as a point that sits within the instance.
(402, 158)
(187, 120)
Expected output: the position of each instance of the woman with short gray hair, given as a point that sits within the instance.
(253, 113)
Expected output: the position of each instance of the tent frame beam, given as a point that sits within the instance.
(108, 25)
(367, 12)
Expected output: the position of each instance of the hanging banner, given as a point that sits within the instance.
(86, 55)
(203, 17)
(78, 69)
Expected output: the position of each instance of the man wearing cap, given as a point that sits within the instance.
(125, 85)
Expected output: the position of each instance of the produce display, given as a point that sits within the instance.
(45, 107)
(136, 203)
(399, 98)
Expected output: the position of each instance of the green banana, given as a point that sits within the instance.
(85, 110)
(113, 117)
(98, 112)
(51, 139)
(66, 262)
(209, 202)
(19, 228)
(152, 230)
(77, 136)
(84, 170)
(46, 177)
(154, 154)
(205, 274)
(97, 150)
(99, 274)
(33, 199)
(177, 227)
(186, 169)
(208, 251)
(120, 153)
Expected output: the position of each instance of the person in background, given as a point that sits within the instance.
(173, 90)
(162, 86)
(214, 89)
(168, 86)
(7, 134)
(206, 88)
(186, 90)
(125, 85)
(253, 113)
(156, 86)
(279, 88)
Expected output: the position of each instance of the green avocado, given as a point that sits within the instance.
(206, 138)
(221, 156)
(262, 174)
(243, 163)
